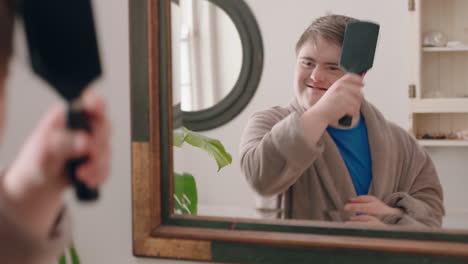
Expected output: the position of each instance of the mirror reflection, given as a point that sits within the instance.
(291, 159)
(206, 52)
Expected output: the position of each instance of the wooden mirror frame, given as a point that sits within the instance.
(159, 233)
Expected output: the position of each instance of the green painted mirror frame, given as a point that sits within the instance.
(159, 233)
(247, 82)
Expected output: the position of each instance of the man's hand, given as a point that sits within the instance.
(368, 204)
(368, 208)
(365, 219)
(344, 97)
(35, 181)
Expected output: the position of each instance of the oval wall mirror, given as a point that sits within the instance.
(217, 59)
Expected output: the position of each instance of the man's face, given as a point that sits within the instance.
(316, 70)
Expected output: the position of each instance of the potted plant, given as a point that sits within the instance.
(185, 188)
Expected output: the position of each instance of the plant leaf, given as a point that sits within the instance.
(185, 193)
(62, 260)
(178, 138)
(212, 146)
(74, 255)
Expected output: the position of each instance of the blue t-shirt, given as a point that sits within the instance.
(353, 144)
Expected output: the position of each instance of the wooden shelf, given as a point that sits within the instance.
(443, 143)
(440, 79)
(444, 49)
(442, 105)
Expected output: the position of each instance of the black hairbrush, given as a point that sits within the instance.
(63, 51)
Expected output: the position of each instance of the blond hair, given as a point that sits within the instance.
(329, 27)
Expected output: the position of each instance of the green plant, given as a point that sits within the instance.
(185, 188)
(73, 256)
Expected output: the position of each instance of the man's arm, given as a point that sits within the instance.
(419, 197)
(275, 152)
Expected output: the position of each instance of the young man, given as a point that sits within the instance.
(34, 224)
(372, 172)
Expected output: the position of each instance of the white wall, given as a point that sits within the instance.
(103, 230)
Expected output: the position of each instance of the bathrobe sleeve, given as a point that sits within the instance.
(419, 192)
(274, 151)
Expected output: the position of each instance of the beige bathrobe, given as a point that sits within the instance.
(18, 246)
(313, 182)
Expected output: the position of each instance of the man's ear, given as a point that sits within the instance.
(364, 75)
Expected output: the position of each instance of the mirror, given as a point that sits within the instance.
(226, 193)
(217, 62)
(224, 230)
(202, 37)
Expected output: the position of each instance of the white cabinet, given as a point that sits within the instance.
(439, 89)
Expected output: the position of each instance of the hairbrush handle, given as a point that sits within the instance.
(77, 119)
(346, 120)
